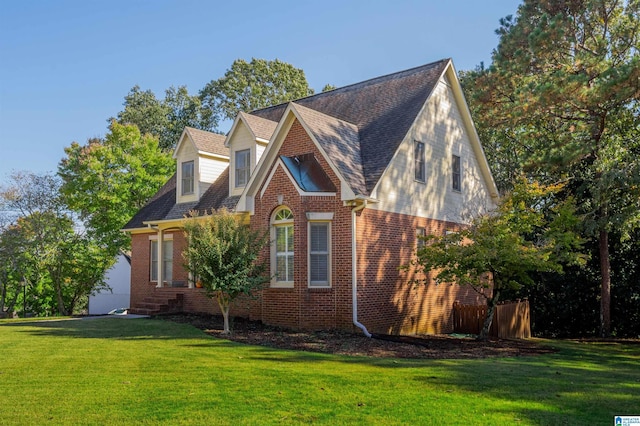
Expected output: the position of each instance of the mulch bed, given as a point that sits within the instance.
(356, 344)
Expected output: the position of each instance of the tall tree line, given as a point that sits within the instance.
(560, 103)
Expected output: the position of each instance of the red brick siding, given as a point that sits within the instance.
(301, 306)
(141, 287)
(387, 302)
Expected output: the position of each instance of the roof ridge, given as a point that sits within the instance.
(361, 84)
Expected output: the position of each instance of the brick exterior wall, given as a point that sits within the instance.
(302, 306)
(387, 302)
(194, 299)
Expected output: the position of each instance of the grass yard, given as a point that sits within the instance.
(116, 371)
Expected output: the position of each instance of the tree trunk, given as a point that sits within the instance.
(493, 302)
(223, 302)
(605, 285)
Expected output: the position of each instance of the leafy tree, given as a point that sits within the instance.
(247, 86)
(530, 232)
(327, 87)
(145, 110)
(562, 100)
(184, 111)
(108, 181)
(43, 248)
(223, 254)
(11, 268)
(165, 119)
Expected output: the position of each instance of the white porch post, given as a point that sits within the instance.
(160, 257)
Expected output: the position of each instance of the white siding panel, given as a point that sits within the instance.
(259, 150)
(211, 169)
(119, 280)
(442, 130)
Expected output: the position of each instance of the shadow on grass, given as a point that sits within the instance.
(583, 383)
(108, 328)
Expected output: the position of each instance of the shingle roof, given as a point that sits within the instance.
(212, 143)
(359, 126)
(383, 109)
(157, 207)
(163, 205)
(340, 141)
(261, 127)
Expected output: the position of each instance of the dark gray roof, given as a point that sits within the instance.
(359, 126)
(163, 205)
(340, 141)
(383, 109)
(157, 207)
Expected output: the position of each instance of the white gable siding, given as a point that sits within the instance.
(241, 139)
(441, 129)
(259, 150)
(210, 171)
(187, 152)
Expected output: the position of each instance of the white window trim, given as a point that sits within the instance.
(235, 167)
(193, 177)
(319, 218)
(273, 255)
(154, 238)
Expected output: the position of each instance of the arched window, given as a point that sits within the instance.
(282, 248)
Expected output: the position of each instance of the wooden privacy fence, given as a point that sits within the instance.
(511, 320)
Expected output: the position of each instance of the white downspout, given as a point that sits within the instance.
(354, 269)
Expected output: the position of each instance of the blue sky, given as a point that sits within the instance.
(66, 65)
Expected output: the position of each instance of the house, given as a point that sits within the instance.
(118, 278)
(344, 180)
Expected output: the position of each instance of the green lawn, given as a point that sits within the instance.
(117, 371)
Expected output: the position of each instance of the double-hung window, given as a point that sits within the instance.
(188, 177)
(421, 233)
(456, 173)
(319, 261)
(420, 172)
(282, 257)
(243, 167)
(167, 260)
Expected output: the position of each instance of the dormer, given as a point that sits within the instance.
(246, 142)
(201, 158)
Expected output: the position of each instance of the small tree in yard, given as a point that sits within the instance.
(223, 254)
(530, 232)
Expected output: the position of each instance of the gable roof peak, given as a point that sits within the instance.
(204, 141)
(383, 109)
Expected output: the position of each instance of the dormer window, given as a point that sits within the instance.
(243, 167)
(188, 177)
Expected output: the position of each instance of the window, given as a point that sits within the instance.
(243, 167)
(319, 259)
(167, 260)
(420, 234)
(282, 258)
(456, 173)
(187, 177)
(419, 161)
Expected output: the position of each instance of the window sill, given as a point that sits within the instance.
(319, 287)
(281, 285)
